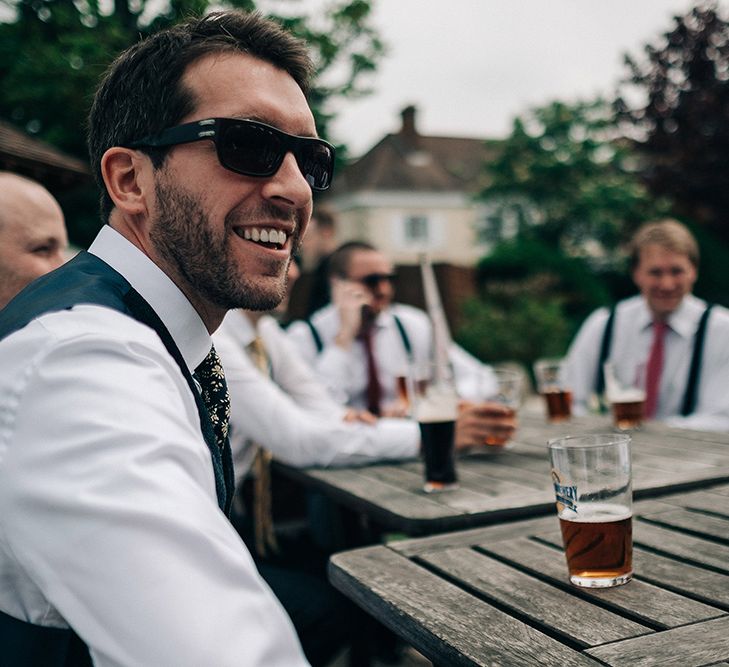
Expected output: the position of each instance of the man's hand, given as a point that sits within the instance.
(349, 298)
(476, 421)
(352, 415)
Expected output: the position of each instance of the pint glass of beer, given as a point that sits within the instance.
(592, 482)
(506, 387)
(627, 400)
(549, 374)
(436, 410)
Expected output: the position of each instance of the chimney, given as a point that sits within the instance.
(408, 131)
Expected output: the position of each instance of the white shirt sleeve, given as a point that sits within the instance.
(108, 517)
(293, 375)
(263, 412)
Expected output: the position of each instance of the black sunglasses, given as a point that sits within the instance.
(372, 280)
(251, 148)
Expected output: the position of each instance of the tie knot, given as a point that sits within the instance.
(660, 327)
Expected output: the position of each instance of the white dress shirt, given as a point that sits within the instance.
(290, 413)
(109, 521)
(631, 343)
(345, 371)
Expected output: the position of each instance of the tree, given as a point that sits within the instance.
(681, 128)
(51, 56)
(568, 179)
(53, 52)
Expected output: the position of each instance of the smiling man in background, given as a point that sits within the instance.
(666, 335)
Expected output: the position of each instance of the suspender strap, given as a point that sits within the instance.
(689, 398)
(405, 338)
(315, 335)
(400, 327)
(607, 338)
(24, 644)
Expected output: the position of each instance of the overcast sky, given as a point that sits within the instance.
(470, 66)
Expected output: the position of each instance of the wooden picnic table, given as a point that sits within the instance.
(505, 485)
(499, 595)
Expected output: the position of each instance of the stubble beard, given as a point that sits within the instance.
(184, 236)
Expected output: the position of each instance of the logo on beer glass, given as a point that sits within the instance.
(566, 494)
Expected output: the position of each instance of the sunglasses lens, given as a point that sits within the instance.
(253, 150)
(250, 150)
(316, 162)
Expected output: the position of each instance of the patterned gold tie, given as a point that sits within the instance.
(262, 511)
(215, 395)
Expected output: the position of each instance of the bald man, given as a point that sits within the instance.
(32, 234)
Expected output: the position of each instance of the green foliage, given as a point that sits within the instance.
(570, 180)
(527, 329)
(680, 127)
(532, 298)
(52, 54)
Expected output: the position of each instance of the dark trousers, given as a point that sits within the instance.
(324, 619)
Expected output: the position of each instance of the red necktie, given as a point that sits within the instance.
(374, 391)
(654, 368)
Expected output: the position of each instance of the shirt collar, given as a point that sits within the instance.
(683, 320)
(158, 290)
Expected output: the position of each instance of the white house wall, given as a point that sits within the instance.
(379, 217)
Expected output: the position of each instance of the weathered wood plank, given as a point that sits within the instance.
(468, 538)
(703, 585)
(679, 545)
(695, 522)
(639, 599)
(543, 605)
(446, 624)
(689, 646)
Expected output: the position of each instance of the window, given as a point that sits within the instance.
(416, 229)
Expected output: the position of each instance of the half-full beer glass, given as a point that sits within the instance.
(592, 482)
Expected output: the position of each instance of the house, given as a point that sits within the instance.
(412, 193)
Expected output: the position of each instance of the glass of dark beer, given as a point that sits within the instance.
(551, 384)
(592, 482)
(436, 410)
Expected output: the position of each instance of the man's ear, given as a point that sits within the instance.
(127, 174)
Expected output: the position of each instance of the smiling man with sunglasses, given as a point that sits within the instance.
(115, 466)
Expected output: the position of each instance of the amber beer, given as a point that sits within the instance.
(592, 480)
(559, 405)
(495, 438)
(598, 544)
(628, 414)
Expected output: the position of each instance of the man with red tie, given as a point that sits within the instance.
(674, 341)
(361, 342)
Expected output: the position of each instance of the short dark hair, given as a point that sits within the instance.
(339, 260)
(141, 93)
(667, 233)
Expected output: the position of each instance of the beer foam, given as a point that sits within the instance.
(596, 513)
(626, 395)
(439, 405)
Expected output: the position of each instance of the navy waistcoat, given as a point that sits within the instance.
(86, 279)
